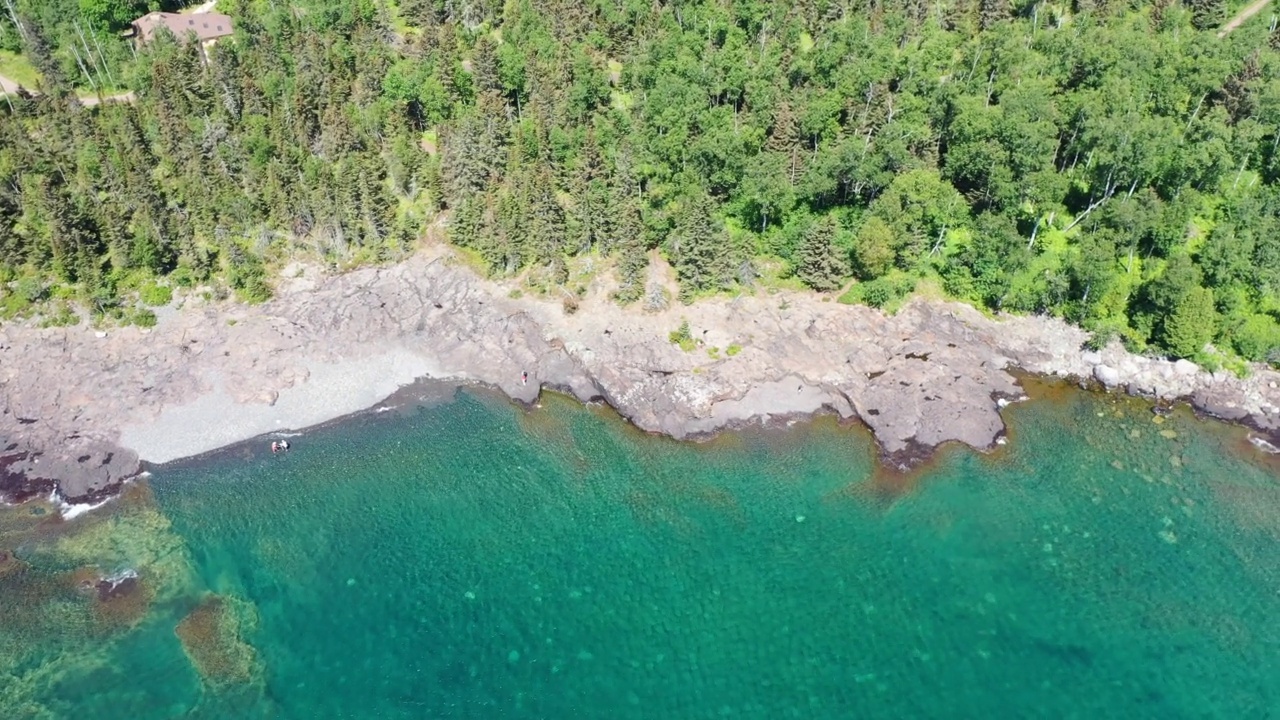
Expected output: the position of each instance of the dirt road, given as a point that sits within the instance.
(7, 86)
(1241, 17)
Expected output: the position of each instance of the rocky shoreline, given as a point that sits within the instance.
(83, 408)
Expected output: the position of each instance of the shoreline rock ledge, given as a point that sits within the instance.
(80, 408)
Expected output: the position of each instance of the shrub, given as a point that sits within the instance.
(143, 317)
(31, 289)
(253, 289)
(683, 337)
(656, 298)
(155, 295)
(1100, 338)
(879, 292)
(1257, 337)
(183, 277)
(63, 316)
(733, 349)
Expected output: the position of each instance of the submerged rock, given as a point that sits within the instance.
(212, 636)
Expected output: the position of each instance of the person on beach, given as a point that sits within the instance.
(275, 447)
(284, 445)
(524, 378)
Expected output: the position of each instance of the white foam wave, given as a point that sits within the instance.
(124, 574)
(1263, 445)
(70, 511)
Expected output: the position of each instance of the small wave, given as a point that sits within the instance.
(1263, 445)
(119, 577)
(70, 511)
(384, 408)
(286, 434)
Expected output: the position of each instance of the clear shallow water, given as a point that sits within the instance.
(474, 561)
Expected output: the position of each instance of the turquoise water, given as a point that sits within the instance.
(471, 560)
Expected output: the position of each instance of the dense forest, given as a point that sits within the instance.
(1115, 163)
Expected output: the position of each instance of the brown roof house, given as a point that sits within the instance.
(208, 27)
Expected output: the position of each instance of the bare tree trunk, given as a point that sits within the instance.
(16, 22)
(1241, 172)
(974, 69)
(103, 57)
(79, 62)
(1195, 113)
(1111, 189)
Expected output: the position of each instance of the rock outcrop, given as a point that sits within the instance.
(81, 406)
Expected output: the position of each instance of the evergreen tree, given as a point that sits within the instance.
(991, 12)
(1207, 14)
(546, 228)
(821, 265)
(702, 256)
(784, 140)
(484, 65)
(633, 251)
(590, 199)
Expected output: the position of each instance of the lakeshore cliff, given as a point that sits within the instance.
(81, 408)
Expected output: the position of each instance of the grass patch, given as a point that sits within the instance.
(733, 349)
(62, 316)
(155, 295)
(774, 273)
(18, 69)
(886, 293)
(621, 100)
(471, 259)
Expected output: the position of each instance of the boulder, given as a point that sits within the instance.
(1106, 375)
(1185, 367)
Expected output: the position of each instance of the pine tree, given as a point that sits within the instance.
(820, 264)
(1237, 93)
(484, 66)
(506, 253)
(700, 250)
(546, 230)
(472, 152)
(1207, 14)
(590, 199)
(53, 84)
(467, 222)
(784, 139)
(419, 13)
(633, 251)
(991, 12)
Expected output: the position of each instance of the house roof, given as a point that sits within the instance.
(206, 26)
